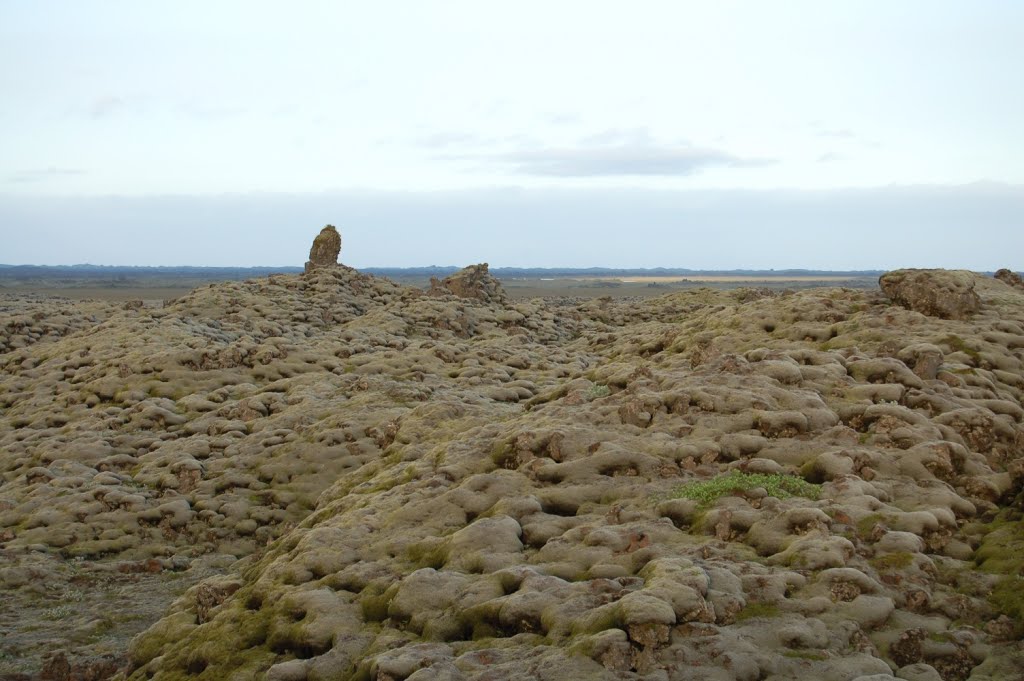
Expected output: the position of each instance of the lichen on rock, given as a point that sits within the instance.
(1010, 278)
(947, 294)
(325, 250)
(474, 282)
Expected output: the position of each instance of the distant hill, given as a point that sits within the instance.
(536, 272)
(87, 271)
(113, 271)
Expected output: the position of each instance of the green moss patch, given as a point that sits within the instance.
(867, 524)
(707, 492)
(958, 344)
(892, 561)
(752, 610)
(1002, 553)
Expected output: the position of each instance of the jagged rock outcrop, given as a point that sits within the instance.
(1010, 277)
(946, 294)
(474, 282)
(325, 249)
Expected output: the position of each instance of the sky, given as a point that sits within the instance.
(829, 135)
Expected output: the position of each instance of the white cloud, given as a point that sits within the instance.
(193, 97)
(622, 161)
(41, 175)
(106, 105)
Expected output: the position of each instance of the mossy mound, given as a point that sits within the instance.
(702, 485)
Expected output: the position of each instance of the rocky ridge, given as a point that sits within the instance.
(450, 486)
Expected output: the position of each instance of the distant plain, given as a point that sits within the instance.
(159, 286)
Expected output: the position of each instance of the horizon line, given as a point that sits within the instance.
(869, 270)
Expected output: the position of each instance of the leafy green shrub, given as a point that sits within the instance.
(707, 492)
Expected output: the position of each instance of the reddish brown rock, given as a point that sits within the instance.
(907, 649)
(56, 668)
(209, 596)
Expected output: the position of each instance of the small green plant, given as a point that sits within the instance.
(58, 613)
(752, 610)
(707, 492)
(598, 391)
(867, 524)
(958, 344)
(893, 561)
(71, 596)
(805, 655)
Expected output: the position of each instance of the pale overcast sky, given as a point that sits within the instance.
(857, 134)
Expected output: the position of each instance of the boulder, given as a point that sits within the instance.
(325, 250)
(470, 282)
(946, 294)
(924, 359)
(1010, 278)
